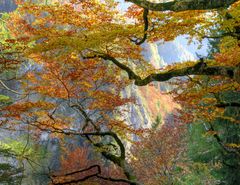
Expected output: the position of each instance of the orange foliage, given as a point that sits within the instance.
(158, 155)
(79, 158)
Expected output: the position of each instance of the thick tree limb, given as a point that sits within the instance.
(56, 181)
(182, 5)
(96, 174)
(200, 68)
(76, 180)
(118, 160)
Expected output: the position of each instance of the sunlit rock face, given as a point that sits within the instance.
(174, 51)
(161, 54)
(151, 102)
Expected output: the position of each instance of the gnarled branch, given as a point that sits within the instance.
(182, 5)
(200, 68)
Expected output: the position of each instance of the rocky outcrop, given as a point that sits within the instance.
(151, 102)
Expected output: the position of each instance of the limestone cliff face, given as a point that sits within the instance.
(151, 100)
(174, 51)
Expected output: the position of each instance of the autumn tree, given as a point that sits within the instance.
(160, 155)
(83, 51)
(84, 86)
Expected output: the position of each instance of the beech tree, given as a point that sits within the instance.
(87, 52)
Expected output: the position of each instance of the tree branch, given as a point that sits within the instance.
(80, 171)
(118, 160)
(145, 19)
(224, 105)
(76, 180)
(183, 5)
(85, 115)
(96, 174)
(200, 68)
(11, 90)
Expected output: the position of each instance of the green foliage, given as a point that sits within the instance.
(229, 133)
(18, 149)
(157, 122)
(201, 148)
(22, 157)
(4, 98)
(210, 161)
(200, 174)
(8, 47)
(10, 174)
(24, 148)
(4, 32)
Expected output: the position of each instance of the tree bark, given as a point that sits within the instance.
(182, 5)
(200, 68)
